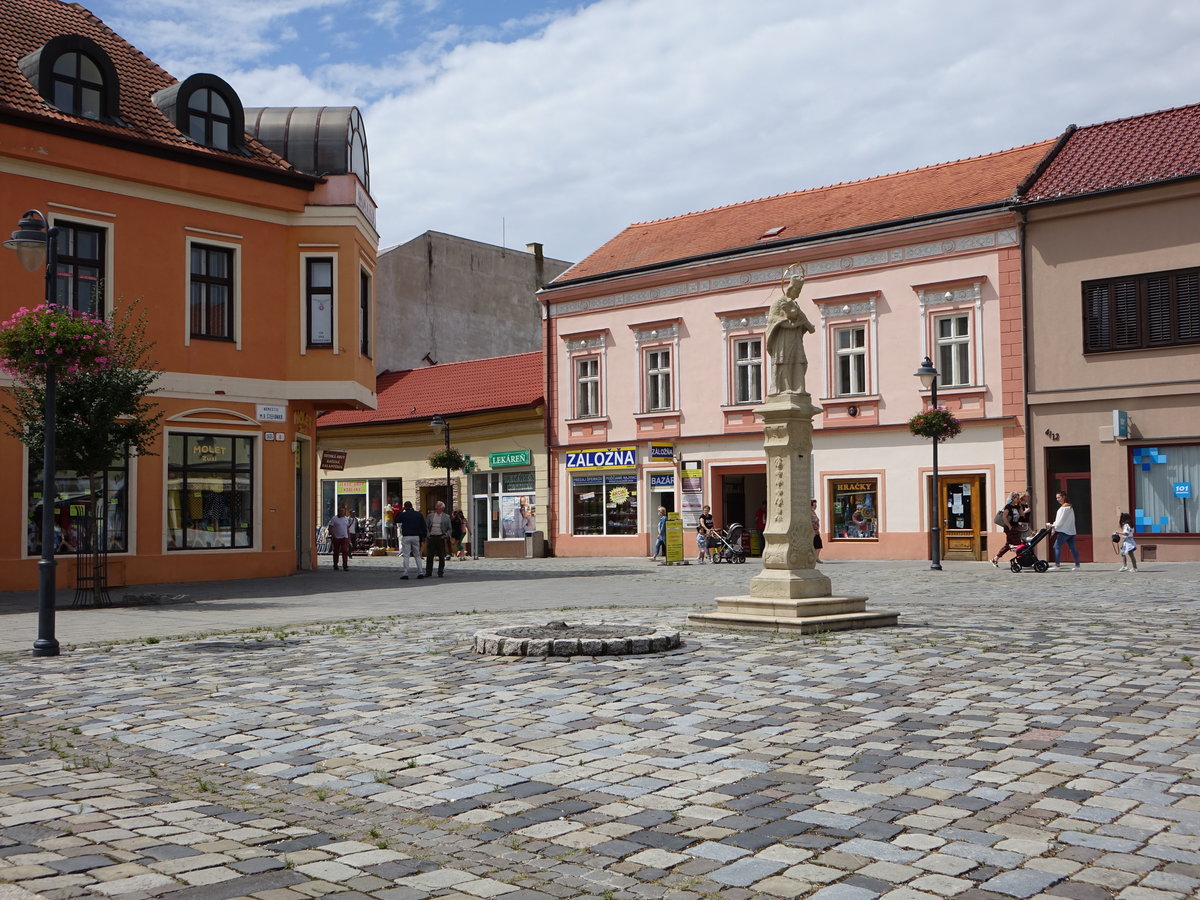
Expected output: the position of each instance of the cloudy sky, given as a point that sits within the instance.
(562, 121)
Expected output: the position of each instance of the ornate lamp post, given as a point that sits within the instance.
(440, 423)
(37, 247)
(929, 380)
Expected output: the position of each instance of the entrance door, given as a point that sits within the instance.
(1078, 488)
(963, 505)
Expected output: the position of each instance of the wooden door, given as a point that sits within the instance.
(963, 506)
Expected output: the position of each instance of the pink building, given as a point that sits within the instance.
(656, 361)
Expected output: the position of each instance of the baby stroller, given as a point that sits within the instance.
(1024, 556)
(726, 546)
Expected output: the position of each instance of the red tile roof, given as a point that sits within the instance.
(1124, 153)
(477, 385)
(26, 25)
(962, 184)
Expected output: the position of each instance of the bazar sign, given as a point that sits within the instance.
(510, 458)
(608, 458)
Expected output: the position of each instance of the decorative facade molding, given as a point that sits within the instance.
(662, 333)
(858, 308)
(972, 295)
(579, 345)
(774, 275)
(741, 323)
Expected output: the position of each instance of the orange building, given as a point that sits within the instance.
(249, 238)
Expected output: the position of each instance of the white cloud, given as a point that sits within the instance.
(571, 121)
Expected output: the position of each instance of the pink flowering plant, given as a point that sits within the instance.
(937, 422)
(34, 340)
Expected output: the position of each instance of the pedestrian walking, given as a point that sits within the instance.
(411, 526)
(437, 540)
(703, 526)
(1010, 520)
(660, 545)
(816, 527)
(1064, 529)
(339, 534)
(1126, 545)
(458, 530)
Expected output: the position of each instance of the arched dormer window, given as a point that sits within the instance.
(207, 110)
(75, 76)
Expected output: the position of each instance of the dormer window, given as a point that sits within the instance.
(208, 119)
(207, 110)
(75, 76)
(78, 85)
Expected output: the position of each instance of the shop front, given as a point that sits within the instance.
(603, 488)
(505, 508)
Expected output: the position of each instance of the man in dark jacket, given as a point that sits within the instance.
(412, 531)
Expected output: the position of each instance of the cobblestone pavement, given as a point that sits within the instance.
(1017, 736)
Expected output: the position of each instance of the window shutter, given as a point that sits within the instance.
(1187, 298)
(1098, 335)
(1158, 309)
(1125, 314)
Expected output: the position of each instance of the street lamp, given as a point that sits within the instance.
(440, 423)
(929, 380)
(37, 246)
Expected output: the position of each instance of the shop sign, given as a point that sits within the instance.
(664, 481)
(352, 487)
(207, 453)
(333, 460)
(608, 458)
(1120, 423)
(509, 458)
(1183, 489)
(662, 451)
(270, 413)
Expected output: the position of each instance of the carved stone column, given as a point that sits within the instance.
(789, 562)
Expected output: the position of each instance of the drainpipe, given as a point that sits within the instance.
(1029, 463)
(551, 518)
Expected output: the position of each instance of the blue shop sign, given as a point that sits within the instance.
(607, 458)
(1183, 489)
(662, 451)
(665, 480)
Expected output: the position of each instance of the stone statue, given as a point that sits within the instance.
(786, 325)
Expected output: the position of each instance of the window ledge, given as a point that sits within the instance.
(850, 399)
(588, 420)
(657, 414)
(957, 389)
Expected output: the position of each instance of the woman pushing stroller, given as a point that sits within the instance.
(1014, 519)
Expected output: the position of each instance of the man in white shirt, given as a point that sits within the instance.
(339, 534)
(437, 540)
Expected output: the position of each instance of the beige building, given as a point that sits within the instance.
(1112, 245)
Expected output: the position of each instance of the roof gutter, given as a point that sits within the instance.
(1117, 189)
(764, 248)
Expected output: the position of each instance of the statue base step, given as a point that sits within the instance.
(809, 616)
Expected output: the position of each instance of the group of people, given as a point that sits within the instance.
(1017, 530)
(436, 536)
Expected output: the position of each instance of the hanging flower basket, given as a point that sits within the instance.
(35, 340)
(450, 458)
(935, 423)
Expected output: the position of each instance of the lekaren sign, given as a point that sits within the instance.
(608, 458)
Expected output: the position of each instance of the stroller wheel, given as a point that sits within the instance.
(740, 558)
(1015, 565)
(1041, 566)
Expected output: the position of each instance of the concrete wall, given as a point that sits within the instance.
(453, 299)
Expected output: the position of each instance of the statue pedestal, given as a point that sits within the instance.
(789, 594)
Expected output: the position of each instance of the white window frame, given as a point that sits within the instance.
(659, 379)
(852, 352)
(579, 379)
(948, 299)
(212, 239)
(747, 364)
(960, 349)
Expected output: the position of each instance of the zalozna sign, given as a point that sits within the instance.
(608, 458)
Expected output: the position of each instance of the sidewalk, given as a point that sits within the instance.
(1018, 736)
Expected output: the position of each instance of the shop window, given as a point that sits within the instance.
(518, 511)
(1139, 311)
(658, 380)
(318, 297)
(747, 370)
(79, 280)
(76, 515)
(854, 509)
(850, 351)
(587, 387)
(211, 301)
(953, 338)
(604, 504)
(1164, 485)
(210, 492)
